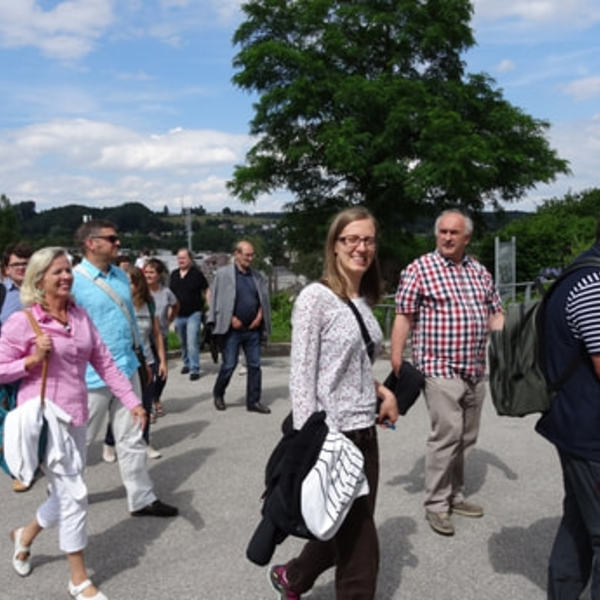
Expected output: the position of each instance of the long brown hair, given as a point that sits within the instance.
(140, 293)
(370, 283)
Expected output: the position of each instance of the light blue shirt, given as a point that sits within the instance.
(12, 301)
(108, 318)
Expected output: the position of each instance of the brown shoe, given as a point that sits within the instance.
(219, 402)
(19, 486)
(467, 509)
(440, 522)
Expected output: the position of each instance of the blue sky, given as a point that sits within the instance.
(112, 101)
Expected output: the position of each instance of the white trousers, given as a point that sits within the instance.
(61, 507)
(130, 446)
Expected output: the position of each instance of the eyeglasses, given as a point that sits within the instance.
(351, 241)
(113, 239)
(18, 265)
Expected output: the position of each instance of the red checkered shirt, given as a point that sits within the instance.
(450, 305)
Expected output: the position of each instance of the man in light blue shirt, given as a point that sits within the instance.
(100, 245)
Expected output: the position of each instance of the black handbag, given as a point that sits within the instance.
(409, 382)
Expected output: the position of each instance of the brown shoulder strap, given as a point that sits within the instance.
(38, 331)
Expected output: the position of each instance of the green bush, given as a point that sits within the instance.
(281, 317)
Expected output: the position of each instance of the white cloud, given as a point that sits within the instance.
(505, 65)
(67, 31)
(67, 161)
(579, 143)
(584, 88)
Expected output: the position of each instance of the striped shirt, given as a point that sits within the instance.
(582, 311)
(450, 305)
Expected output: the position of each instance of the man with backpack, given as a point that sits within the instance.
(449, 301)
(571, 342)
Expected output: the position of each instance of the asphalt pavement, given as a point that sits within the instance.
(212, 469)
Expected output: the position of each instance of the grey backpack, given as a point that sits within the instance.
(517, 382)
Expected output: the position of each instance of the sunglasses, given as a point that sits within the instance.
(113, 239)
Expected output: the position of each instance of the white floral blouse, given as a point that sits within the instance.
(330, 367)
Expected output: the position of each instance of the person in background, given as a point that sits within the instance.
(449, 301)
(240, 312)
(116, 323)
(70, 340)
(190, 287)
(123, 261)
(14, 262)
(167, 308)
(331, 370)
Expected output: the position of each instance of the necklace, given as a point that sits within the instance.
(64, 323)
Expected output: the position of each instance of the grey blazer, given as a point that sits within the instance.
(222, 300)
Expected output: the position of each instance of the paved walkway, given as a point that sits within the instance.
(212, 468)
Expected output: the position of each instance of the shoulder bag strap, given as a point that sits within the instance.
(363, 329)
(115, 298)
(38, 331)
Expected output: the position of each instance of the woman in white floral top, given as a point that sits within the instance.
(332, 371)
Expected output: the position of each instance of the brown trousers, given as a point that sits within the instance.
(354, 550)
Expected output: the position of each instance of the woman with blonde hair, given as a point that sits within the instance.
(331, 370)
(68, 339)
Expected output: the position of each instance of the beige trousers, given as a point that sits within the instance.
(454, 407)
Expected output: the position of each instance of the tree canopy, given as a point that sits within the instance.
(367, 101)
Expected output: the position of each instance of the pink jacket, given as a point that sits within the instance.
(72, 349)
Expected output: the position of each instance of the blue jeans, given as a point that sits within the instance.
(576, 551)
(250, 342)
(188, 330)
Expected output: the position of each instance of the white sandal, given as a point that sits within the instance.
(22, 567)
(76, 591)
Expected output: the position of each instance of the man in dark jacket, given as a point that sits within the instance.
(571, 328)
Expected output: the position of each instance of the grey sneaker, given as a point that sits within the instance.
(467, 509)
(440, 522)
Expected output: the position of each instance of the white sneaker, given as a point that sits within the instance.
(108, 454)
(242, 371)
(152, 452)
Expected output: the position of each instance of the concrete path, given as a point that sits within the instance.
(212, 469)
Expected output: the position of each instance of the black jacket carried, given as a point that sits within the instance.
(288, 465)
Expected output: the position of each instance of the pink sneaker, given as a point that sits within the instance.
(278, 579)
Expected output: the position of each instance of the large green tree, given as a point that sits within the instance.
(367, 101)
(9, 223)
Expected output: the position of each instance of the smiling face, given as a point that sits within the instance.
(452, 237)
(57, 280)
(15, 269)
(152, 276)
(354, 256)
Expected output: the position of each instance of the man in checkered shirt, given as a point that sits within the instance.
(449, 301)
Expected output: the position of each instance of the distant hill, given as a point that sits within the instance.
(63, 221)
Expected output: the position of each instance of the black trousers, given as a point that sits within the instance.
(354, 550)
(576, 549)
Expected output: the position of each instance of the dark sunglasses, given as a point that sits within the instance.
(113, 239)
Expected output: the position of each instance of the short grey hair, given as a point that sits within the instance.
(30, 292)
(454, 211)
